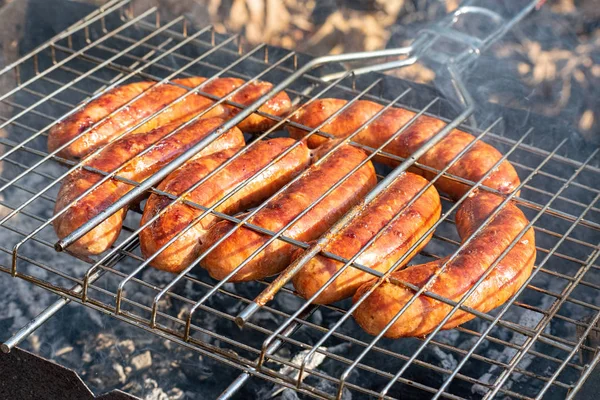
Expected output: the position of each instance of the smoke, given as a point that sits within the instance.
(111, 354)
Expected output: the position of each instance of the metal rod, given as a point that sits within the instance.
(81, 163)
(32, 325)
(94, 16)
(398, 262)
(49, 312)
(214, 206)
(41, 318)
(506, 305)
(267, 294)
(248, 366)
(177, 198)
(589, 369)
(243, 377)
(180, 197)
(46, 157)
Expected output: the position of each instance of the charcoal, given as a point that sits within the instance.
(141, 361)
(153, 391)
(126, 347)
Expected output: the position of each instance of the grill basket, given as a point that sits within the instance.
(289, 341)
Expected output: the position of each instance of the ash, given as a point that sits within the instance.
(110, 354)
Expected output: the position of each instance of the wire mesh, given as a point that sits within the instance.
(544, 321)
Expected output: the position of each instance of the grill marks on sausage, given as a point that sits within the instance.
(425, 314)
(472, 166)
(154, 99)
(460, 274)
(390, 246)
(280, 211)
(186, 248)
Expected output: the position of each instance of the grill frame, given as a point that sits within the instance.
(248, 366)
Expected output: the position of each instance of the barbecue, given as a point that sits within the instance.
(531, 190)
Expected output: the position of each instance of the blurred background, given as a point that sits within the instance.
(549, 64)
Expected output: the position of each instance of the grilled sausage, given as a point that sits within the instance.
(136, 169)
(182, 252)
(393, 243)
(280, 211)
(425, 314)
(473, 165)
(157, 99)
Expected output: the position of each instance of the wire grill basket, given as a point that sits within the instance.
(548, 321)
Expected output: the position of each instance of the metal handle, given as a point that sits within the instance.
(446, 29)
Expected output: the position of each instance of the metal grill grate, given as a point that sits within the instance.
(548, 321)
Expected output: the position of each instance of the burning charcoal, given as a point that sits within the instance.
(481, 389)
(118, 368)
(195, 367)
(342, 348)
(175, 394)
(317, 317)
(126, 347)
(133, 387)
(446, 360)
(86, 358)
(331, 388)
(63, 351)
(153, 391)
(312, 363)
(104, 341)
(106, 376)
(6, 324)
(34, 341)
(142, 361)
(289, 303)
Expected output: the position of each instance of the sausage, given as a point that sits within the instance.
(393, 243)
(137, 169)
(425, 313)
(280, 211)
(157, 99)
(473, 165)
(185, 249)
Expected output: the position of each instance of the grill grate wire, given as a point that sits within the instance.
(113, 47)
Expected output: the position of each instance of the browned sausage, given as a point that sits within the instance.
(473, 165)
(182, 252)
(283, 209)
(153, 100)
(425, 314)
(393, 243)
(136, 169)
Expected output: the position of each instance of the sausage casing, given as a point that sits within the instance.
(460, 274)
(153, 100)
(391, 245)
(280, 211)
(473, 165)
(138, 168)
(182, 252)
